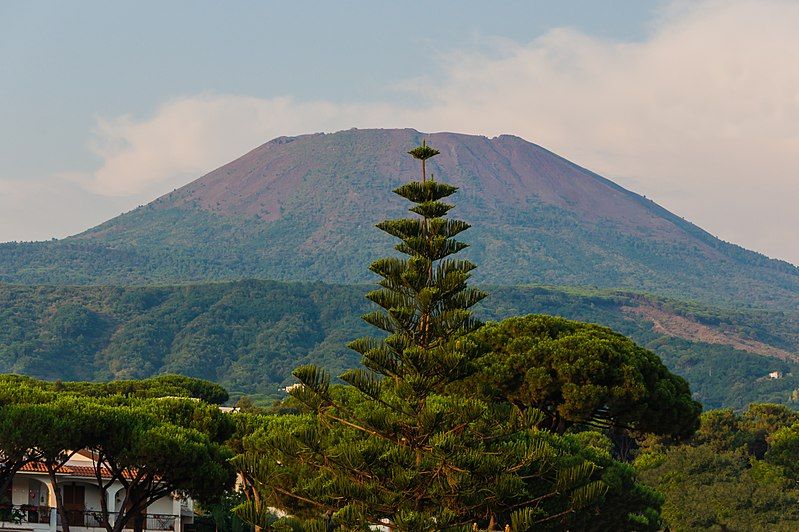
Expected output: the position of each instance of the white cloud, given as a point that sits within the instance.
(702, 116)
(192, 135)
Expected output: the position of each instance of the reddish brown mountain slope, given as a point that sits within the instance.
(507, 171)
(304, 208)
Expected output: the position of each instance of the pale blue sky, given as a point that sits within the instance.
(78, 75)
(65, 62)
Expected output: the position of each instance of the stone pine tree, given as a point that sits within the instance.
(396, 446)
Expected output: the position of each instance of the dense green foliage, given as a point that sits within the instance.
(737, 473)
(577, 373)
(158, 386)
(152, 446)
(624, 504)
(323, 230)
(249, 335)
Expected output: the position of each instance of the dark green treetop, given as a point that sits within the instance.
(423, 153)
(424, 299)
(720, 480)
(582, 373)
(166, 385)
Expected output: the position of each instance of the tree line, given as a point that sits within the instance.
(250, 335)
(736, 471)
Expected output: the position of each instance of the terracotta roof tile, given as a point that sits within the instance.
(84, 471)
(67, 470)
(34, 467)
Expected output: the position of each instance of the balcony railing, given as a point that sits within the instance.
(28, 514)
(24, 513)
(94, 519)
(160, 522)
(84, 518)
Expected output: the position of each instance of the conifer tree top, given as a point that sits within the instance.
(423, 152)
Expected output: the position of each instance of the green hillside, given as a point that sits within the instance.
(249, 335)
(304, 209)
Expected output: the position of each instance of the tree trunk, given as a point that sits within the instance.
(6, 478)
(124, 517)
(118, 526)
(138, 522)
(622, 443)
(138, 511)
(104, 509)
(59, 500)
(257, 499)
(119, 523)
(125, 512)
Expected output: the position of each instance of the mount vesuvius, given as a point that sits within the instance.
(304, 208)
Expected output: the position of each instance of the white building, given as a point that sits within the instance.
(32, 504)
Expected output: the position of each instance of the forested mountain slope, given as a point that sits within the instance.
(249, 335)
(303, 208)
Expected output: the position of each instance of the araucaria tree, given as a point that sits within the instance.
(424, 305)
(396, 446)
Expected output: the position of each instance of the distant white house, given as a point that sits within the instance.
(29, 504)
(775, 375)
